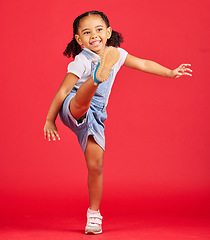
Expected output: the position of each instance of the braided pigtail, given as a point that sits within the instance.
(72, 49)
(115, 40)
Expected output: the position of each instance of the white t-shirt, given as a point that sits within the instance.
(81, 67)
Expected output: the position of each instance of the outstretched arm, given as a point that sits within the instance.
(50, 129)
(155, 68)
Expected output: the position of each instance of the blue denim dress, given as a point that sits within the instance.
(93, 123)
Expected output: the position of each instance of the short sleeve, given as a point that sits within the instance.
(123, 55)
(78, 66)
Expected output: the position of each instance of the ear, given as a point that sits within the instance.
(78, 39)
(109, 32)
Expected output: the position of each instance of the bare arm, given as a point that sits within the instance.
(155, 68)
(50, 129)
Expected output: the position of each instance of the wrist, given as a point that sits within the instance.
(171, 74)
(50, 120)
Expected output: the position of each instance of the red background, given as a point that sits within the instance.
(157, 132)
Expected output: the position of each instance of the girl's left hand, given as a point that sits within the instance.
(182, 70)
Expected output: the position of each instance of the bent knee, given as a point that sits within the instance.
(78, 110)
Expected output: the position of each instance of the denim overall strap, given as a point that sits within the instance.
(88, 54)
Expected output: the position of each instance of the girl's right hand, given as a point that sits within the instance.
(50, 131)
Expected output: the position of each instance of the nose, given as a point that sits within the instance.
(94, 35)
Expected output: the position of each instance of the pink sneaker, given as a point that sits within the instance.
(94, 222)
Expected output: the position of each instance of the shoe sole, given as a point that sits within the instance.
(109, 58)
(93, 233)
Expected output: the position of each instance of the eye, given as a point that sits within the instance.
(86, 32)
(99, 29)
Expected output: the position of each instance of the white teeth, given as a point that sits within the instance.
(95, 43)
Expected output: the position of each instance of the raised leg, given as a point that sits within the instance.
(94, 159)
(81, 102)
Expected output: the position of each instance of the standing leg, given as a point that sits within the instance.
(94, 158)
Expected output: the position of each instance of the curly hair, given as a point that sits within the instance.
(73, 48)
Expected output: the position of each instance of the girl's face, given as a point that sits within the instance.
(93, 33)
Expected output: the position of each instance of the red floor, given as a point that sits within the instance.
(129, 227)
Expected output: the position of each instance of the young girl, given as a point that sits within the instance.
(83, 95)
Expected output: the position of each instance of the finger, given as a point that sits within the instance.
(178, 75)
(185, 64)
(49, 135)
(53, 136)
(183, 74)
(57, 135)
(184, 70)
(188, 74)
(188, 69)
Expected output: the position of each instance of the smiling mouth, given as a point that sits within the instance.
(95, 43)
